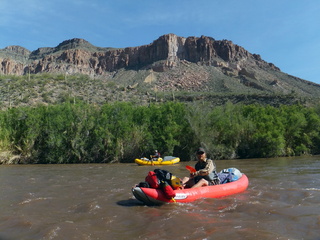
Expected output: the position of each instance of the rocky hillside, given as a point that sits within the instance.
(169, 64)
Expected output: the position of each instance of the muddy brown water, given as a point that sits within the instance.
(94, 201)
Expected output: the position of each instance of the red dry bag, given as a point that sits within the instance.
(167, 190)
(152, 180)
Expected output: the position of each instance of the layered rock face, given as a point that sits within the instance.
(79, 56)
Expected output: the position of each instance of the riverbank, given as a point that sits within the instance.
(6, 157)
(120, 132)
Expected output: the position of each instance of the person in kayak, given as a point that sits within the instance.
(205, 174)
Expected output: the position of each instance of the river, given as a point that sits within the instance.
(94, 201)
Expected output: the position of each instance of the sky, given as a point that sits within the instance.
(283, 32)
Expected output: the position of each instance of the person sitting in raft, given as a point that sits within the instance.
(205, 175)
(156, 155)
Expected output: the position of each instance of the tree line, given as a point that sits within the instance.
(121, 131)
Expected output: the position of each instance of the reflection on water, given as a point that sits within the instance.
(95, 202)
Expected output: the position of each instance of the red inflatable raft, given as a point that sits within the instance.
(151, 196)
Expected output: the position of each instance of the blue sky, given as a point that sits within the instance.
(284, 32)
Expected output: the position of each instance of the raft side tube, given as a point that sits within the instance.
(142, 197)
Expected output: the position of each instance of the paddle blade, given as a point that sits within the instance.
(191, 169)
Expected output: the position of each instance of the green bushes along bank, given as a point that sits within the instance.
(120, 132)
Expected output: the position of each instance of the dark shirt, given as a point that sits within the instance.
(206, 169)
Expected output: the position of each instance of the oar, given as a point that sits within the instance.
(191, 169)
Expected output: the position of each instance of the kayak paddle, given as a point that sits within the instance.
(191, 169)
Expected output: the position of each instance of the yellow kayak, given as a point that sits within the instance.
(167, 160)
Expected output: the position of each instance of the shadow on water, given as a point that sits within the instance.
(130, 203)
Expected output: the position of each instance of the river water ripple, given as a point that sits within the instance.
(94, 201)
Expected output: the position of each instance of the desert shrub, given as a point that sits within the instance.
(78, 132)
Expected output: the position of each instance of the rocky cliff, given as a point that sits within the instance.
(170, 63)
(79, 56)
